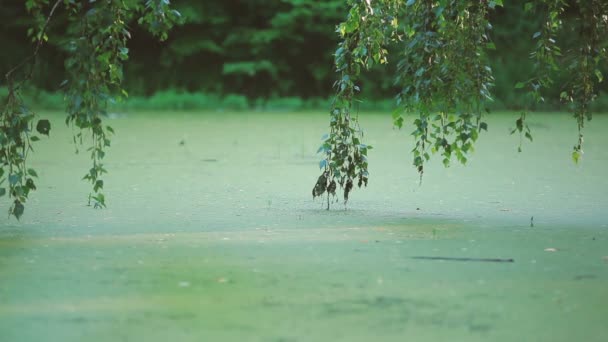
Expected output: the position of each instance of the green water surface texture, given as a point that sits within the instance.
(211, 234)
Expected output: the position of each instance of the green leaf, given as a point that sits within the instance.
(98, 185)
(43, 127)
(100, 201)
(34, 138)
(410, 2)
(323, 164)
(14, 179)
(17, 209)
(483, 126)
(519, 85)
(2, 192)
(495, 3)
(599, 75)
(30, 185)
(576, 156)
(32, 172)
(124, 53)
(519, 123)
(351, 26)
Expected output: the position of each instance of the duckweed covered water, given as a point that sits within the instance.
(212, 235)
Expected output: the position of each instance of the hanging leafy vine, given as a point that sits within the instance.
(364, 38)
(95, 74)
(584, 60)
(445, 76)
(546, 56)
(446, 79)
(97, 52)
(17, 123)
(591, 54)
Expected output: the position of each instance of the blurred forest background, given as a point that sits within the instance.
(242, 54)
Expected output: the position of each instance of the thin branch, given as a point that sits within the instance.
(34, 54)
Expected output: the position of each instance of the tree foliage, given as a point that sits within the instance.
(97, 34)
(445, 76)
(268, 50)
(261, 49)
(365, 34)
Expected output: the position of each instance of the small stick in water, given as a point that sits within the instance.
(462, 259)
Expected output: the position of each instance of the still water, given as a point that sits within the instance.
(211, 234)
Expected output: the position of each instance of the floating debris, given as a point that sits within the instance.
(462, 259)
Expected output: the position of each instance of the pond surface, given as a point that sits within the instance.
(212, 234)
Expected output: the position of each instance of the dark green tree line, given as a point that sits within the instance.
(267, 49)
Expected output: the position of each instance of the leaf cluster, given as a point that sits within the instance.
(365, 34)
(582, 61)
(16, 138)
(445, 76)
(444, 73)
(97, 49)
